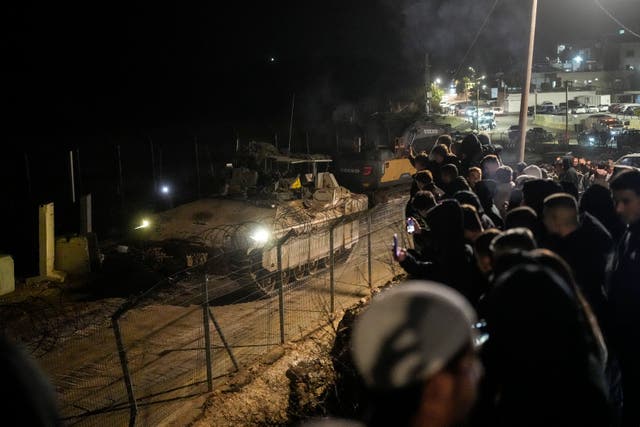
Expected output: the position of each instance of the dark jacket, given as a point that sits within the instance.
(587, 251)
(624, 288)
(452, 262)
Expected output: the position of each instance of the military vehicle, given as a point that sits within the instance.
(369, 163)
(269, 200)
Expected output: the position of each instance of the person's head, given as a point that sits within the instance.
(445, 140)
(28, 395)
(413, 348)
(482, 249)
(560, 214)
(439, 153)
(448, 173)
(484, 138)
(474, 175)
(470, 147)
(423, 201)
(567, 162)
(539, 335)
(489, 165)
(520, 168)
(534, 192)
(532, 170)
(626, 195)
(504, 175)
(522, 216)
(472, 224)
(421, 161)
(513, 240)
(423, 178)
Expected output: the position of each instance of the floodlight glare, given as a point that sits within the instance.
(144, 224)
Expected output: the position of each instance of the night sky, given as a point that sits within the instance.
(93, 76)
(94, 67)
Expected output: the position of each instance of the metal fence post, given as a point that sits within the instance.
(280, 293)
(369, 248)
(125, 370)
(207, 332)
(331, 265)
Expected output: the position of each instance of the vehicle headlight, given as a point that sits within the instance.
(260, 235)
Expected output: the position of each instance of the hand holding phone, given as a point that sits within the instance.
(411, 225)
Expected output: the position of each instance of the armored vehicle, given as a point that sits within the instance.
(270, 202)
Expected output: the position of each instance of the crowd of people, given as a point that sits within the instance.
(543, 264)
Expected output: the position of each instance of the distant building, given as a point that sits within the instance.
(630, 56)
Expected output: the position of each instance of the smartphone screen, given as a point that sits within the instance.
(410, 226)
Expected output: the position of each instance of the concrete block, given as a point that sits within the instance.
(7, 278)
(72, 255)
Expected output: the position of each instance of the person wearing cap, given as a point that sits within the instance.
(414, 349)
(624, 291)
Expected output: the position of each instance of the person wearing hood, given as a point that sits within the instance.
(534, 192)
(523, 216)
(470, 198)
(453, 262)
(584, 244)
(503, 177)
(485, 190)
(470, 153)
(489, 165)
(598, 201)
(542, 367)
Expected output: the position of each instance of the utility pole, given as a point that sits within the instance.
(566, 112)
(427, 83)
(477, 105)
(535, 105)
(524, 101)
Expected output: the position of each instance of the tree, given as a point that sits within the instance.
(436, 96)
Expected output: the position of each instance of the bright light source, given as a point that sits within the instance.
(621, 31)
(484, 87)
(578, 59)
(272, 59)
(438, 81)
(260, 235)
(144, 224)
(165, 189)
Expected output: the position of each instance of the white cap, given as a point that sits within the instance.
(409, 333)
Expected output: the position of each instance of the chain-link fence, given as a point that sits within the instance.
(179, 339)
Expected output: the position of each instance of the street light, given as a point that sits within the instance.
(578, 61)
(438, 81)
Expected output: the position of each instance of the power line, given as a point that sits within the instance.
(475, 39)
(597, 2)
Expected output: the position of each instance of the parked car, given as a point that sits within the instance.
(498, 111)
(603, 108)
(486, 123)
(632, 160)
(580, 109)
(593, 109)
(538, 134)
